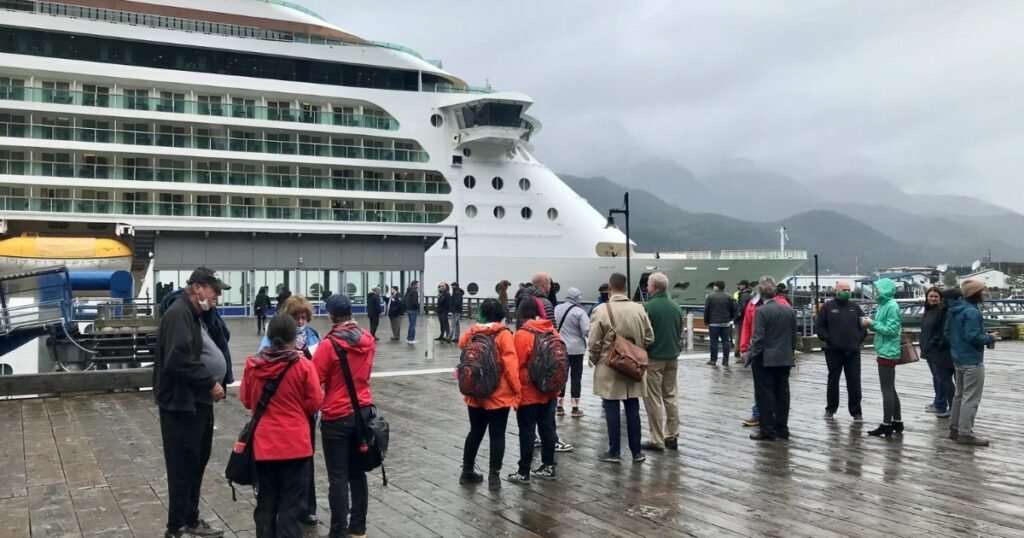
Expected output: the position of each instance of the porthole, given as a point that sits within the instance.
(471, 211)
(473, 288)
(524, 184)
(552, 213)
(499, 212)
(436, 120)
(469, 182)
(467, 152)
(497, 183)
(526, 213)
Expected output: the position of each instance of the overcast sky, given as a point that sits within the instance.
(929, 94)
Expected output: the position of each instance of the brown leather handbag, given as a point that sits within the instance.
(624, 356)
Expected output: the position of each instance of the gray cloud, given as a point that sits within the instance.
(927, 94)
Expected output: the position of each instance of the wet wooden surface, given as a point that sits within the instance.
(92, 466)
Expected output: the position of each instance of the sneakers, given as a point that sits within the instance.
(971, 440)
(563, 447)
(829, 415)
(647, 445)
(711, 363)
(954, 433)
(174, 534)
(547, 472)
(930, 409)
(470, 477)
(576, 412)
(607, 457)
(410, 342)
(752, 422)
(858, 418)
(672, 443)
(493, 481)
(202, 528)
(639, 458)
(944, 414)
(537, 442)
(518, 478)
(560, 411)
(309, 520)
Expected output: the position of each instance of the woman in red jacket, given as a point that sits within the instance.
(281, 442)
(338, 427)
(490, 414)
(536, 411)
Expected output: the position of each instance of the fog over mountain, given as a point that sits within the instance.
(924, 95)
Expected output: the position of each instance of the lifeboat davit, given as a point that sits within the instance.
(31, 251)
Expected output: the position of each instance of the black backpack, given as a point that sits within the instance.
(373, 433)
(241, 468)
(479, 368)
(549, 362)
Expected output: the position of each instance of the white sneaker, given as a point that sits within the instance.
(410, 342)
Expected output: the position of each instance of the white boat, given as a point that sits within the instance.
(257, 138)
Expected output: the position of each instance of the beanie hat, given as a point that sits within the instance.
(972, 287)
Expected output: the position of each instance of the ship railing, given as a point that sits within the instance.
(738, 255)
(31, 316)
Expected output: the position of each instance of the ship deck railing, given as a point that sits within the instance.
(734, 255)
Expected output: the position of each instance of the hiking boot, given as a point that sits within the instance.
(954, 433)
(971, 440)
(493, 481)
(882, 429)
(829, 415)
(547, 472)
(560, 411)
(639, 458)
(563, 447)
(204, 529)
(897, 426)
(752, 422)
(607, 457)
(470, 477)
(576, 412)
(671, 443)
(518, 478)
(647, 445)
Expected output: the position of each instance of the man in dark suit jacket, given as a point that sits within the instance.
(373, 309)
(771, 358)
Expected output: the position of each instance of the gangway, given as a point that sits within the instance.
(32, 304)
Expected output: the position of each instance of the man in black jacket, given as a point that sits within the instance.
(456, 329)
(841, 334)
(188, 372)
(393, 309)
(444, 307)
(771, 357)
(743, 295)
(373, 309)
(719, 311)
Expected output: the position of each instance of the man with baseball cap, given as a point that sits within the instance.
(187, 380)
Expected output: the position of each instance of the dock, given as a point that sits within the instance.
(91, 464)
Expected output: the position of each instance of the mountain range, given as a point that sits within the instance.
(853, 223)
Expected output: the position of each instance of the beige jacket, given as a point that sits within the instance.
(631, 322)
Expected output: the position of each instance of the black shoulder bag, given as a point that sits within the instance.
(373, 433)
(241, 468)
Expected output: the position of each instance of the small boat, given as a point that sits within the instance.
(32, 251)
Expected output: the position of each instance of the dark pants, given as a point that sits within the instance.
(843, 362)
(533, 419)
(445, 328)
(281, 497)
(945, 376)
(493, 422)
(374, 323)
(396, 327)
(611, 417)
(339, 440)
(890, 398)
(188, 438)
(575, 376)
(311, 486)
(723, 335)
(261, 322)
(943, 398)
(771, 388)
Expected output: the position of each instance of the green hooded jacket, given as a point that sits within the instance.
(887, 325)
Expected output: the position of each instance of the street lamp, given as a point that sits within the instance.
(444, 246)
(611, 224)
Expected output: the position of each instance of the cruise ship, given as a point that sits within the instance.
(259, 139)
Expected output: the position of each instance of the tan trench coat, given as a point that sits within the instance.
(631, 321)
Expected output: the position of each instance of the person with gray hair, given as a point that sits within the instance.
(573, 324)
(661, 400)
(771, 357)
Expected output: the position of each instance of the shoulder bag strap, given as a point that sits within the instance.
(349, 382)
(268, 392)
(565, 315)
(611, 317)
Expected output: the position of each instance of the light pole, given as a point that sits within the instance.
(444, 246)
(611, 224)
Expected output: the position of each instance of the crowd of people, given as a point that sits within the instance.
(322, 380)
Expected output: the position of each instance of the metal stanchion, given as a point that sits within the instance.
(689, 331)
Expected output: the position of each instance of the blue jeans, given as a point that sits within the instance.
(412, 325)
(723, 334)
(942, 400)
(755, 411)
(611, 416)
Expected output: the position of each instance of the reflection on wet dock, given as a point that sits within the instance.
(92, 465)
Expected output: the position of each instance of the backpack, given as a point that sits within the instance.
(479, 369)
(549, 362)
